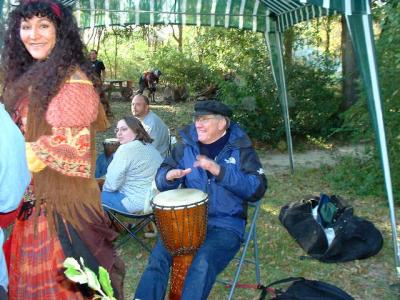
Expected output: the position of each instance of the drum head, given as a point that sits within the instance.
(179, 198)
(111, 141)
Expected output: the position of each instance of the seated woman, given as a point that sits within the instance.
(130, 175)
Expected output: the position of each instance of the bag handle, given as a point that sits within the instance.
(289, 279)
(273, 291)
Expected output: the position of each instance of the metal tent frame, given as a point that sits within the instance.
(272, 17)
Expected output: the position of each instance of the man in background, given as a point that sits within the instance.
(99, 68)
(14, 178)
(153, 124)
(97, 65)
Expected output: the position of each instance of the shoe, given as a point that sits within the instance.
(151, 231)
(120, 229)
(150, 235)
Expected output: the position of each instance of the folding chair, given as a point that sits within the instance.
(140, 221)
(171, 141)
(250, 235)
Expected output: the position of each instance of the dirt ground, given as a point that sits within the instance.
(275, 162)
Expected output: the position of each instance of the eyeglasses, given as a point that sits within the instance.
(122, 129)
(202, 119)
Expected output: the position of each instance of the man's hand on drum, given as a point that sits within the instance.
(207, 164)
(177, 173)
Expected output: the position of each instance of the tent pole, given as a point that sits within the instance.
(1, 9)
(274, 43)
(360, 27)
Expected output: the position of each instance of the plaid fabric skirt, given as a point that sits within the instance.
(36, 263)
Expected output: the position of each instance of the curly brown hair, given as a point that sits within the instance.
(41, 80)
(137, 127)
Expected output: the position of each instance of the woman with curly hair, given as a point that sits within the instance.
(53, 97)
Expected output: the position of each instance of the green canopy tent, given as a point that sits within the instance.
(271, 17)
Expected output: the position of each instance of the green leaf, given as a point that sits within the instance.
(92, 280)
(105, 282)
(71, 262)
(76, 275)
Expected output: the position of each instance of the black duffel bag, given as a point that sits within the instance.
(355, 238)
(303, 289)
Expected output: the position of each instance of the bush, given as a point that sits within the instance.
(179, 69)
(313, 98)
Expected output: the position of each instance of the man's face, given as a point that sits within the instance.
(139, 107)
(93, 55)
(209, 128)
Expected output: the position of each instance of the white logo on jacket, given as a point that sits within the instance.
(230, 160)
(260, 171)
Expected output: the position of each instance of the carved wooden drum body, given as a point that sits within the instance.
(181, 217)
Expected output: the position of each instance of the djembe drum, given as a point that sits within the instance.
(110, 145)
(181, 218)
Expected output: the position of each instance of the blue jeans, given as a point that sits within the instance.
(113, 200)
(219, 248)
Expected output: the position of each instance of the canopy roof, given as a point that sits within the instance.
(253, 15)
(243, 14)
(269, 16)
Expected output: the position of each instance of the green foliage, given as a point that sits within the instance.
(358, 120)
(78, 272)
(125, 54)
(313, 97)
(180, 69)
(356, 174)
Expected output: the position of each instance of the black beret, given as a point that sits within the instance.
(211, 107)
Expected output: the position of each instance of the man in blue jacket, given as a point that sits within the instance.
(217, 157)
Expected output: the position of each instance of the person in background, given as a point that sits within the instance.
(97, 65)
(217, 157)
(53, 96)
(130, 175)
(100, 70)
(153, 124)
(14, 178)
(149, 80)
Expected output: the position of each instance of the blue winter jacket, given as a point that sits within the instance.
(241, 178)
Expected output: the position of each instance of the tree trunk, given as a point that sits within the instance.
(328, 30)
(116, 55)
(180, 41)
(349, 70)
(288, 40)
(179, 38)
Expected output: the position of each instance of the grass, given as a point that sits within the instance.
(280, 256)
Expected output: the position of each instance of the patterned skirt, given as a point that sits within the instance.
(36, 263)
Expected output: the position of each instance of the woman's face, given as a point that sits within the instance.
(124, 133)
(38, 34)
